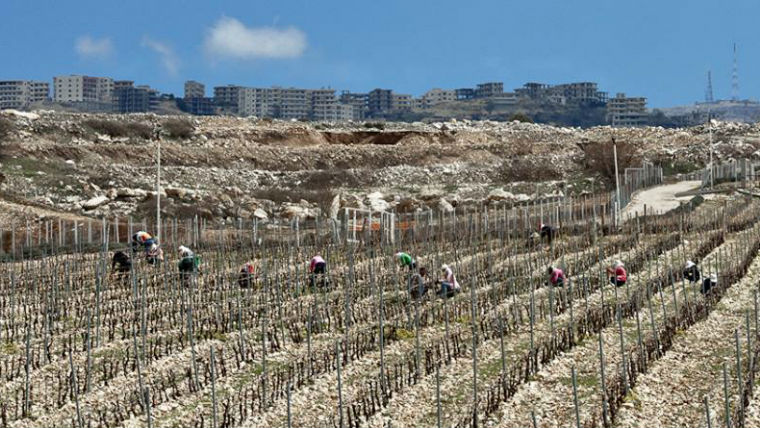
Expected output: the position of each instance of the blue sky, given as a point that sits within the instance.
(658, 49)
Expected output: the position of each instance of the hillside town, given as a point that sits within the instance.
(107, 95)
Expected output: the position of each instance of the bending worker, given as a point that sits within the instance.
(449, 285)
(121, 263)
(691, 272)
(188, 263)
(617, 273)
(245, 278)
(418, 286)
(317, 266)
(154, 254)
(143, 239)
(709, 283)
(547, 232)
(406, 260)
(556, 276)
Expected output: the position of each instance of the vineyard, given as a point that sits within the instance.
(81, 346)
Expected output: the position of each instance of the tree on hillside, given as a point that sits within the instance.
(598, 157)
(520, 117)
(6, 126)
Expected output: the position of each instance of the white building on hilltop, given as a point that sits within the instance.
(19, 94)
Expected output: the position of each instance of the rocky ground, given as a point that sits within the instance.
(227, 167)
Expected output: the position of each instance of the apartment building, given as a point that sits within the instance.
(260, 102)
(436, 96)
(19, 94)
(324, 105)
(465, 93)
(532, 90)
(194, 89)
(401, 102)
(94, 91)
(195, 100)
(359, 102)
(121, 84)
(627, 111)
(575, 92)
(505, 99)
(294, 103)
(227, 98)
(128, 98)
(285, 103)
(489, 89)
(203, 106)
(580, 92)
(379, 101)
(346, 112)
(337, 112)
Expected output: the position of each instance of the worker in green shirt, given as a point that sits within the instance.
(406, 260)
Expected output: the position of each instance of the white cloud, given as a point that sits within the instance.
(230, 38)
(87, 47)
(169, 59)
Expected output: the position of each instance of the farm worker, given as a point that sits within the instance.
(618, 274)
(317, 266)
(154, 254)
(188, 261)
(418, 284)
(121, 263)
(556, 276)
(141, 238)
(246, 274)
(547, 232)
(709, 283)
(449, 284)
(406, 260)
(691, 272)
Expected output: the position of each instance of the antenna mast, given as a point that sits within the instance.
(735, 79)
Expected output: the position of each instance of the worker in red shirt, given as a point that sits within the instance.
(617, 273)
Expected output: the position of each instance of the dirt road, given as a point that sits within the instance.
(660, 198)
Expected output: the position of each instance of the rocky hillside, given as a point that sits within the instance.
(224, 167)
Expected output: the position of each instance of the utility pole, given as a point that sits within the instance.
(158, 183)
(617, 179)
(712, 168)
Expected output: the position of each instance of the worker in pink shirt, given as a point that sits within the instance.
(449, 285)
(556, 276)
(318, 266)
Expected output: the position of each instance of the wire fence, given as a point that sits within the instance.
(52, 236)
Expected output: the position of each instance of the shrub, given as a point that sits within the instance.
(527, 169)
(179, 128)
(378, 125)
(6, 127)
(520, 117)
(599, 158)
(140, 130)
(679, 167)
(107, 127)
(326, 179)
(116, 129)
